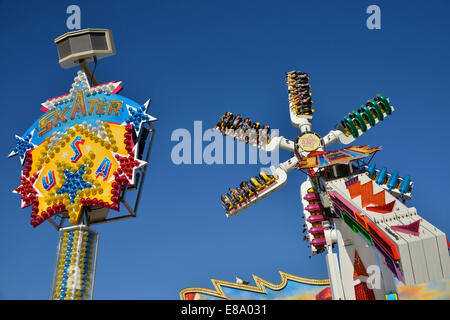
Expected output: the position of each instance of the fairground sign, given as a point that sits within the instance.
(81, 152)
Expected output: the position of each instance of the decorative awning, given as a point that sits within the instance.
(319, 159)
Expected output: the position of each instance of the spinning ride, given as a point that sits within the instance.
(347, 202)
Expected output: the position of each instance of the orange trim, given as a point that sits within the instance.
(366, 193)
(361, 220)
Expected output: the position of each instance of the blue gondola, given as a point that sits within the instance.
(381, 176)
(405, 185)
(393, 180)
(371, 169)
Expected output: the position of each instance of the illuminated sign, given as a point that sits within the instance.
(309, 141)
(81, 151)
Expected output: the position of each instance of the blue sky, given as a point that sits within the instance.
(196, 60)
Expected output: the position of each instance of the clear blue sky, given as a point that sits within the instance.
(196, 60)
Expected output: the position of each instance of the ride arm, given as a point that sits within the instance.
(261, 186)
(358, 122)
(261, 138)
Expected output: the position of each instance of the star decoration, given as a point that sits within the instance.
(129, 164)
(74, 182)
(139, 116)
(29, 197)
(27, 191)
(81, 83)
(22, 146)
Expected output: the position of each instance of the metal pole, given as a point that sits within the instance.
(147, 156)
(85, 66)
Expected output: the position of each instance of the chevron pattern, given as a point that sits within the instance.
(366, 193)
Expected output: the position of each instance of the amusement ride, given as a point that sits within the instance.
(351, 208)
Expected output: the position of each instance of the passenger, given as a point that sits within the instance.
(291, 76)
(256, 184)
(220, 123)
(249, 189)
(295, 99)
(244, 129)
(267, 133)
(235, 194)
(252, 133)
(268, 178)
(243, 194)
(258, 129)
(236, 122)
(300, 80)
(227, 202)
(303, 86)
(306, 101)
(260, 180)
(305, 94)
(302, 75)
(223, 121)
(264, 135)
(229, 121)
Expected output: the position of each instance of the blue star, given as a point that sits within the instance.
(73, 182)
(138, 116)
(22, 146)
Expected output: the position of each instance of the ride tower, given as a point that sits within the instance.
(349, 205)
(81, 159)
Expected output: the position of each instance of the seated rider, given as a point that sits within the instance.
(247, 188)
(222, 119)
(243, 132)
(227, 118)
(237, 195)
(268, 178)
(227, 203)
(260, 180)
(264, 136)
(303, 86)
(243, 194)
(229, 121)
(256, 184)
(253, 132)
(303, 75)
(306, 101)
(236, 122)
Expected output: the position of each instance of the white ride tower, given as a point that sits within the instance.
(347, 203)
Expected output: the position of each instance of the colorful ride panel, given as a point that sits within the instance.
(414, 250)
